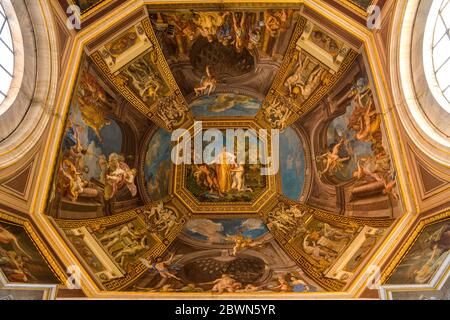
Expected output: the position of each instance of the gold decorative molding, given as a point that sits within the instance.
(352, 5)
(48, 229)
(225, 209)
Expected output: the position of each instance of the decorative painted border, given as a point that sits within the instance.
(302, 259)
(300, 109)
(136, 269)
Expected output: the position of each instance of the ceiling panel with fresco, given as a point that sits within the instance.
(138, 221)
(124, 206)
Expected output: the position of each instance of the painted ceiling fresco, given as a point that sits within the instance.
(425, 257)
(225, 255)
(138, 221)
(209, 51)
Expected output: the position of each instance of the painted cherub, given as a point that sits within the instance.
(242, 242)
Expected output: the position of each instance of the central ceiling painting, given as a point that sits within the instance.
(230, 175)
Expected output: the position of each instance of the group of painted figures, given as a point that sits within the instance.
(320, 240)
(115, 173)
(224, 175)
(169, 281)
(228, 284)
(241, 30)
(364, 125)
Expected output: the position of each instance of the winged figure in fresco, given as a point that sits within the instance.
(242, 242)
(163, 268)
(331, 160)
(369, 123)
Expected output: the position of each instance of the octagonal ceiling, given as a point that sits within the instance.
(126, 211)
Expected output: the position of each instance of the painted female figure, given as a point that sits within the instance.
(225, 161)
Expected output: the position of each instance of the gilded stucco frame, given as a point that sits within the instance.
(380, 83)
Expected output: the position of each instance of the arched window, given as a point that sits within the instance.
(437, 52)
(29, 72)
(420, 57)
(7, 57)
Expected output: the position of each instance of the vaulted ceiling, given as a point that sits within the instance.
(309, 74)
